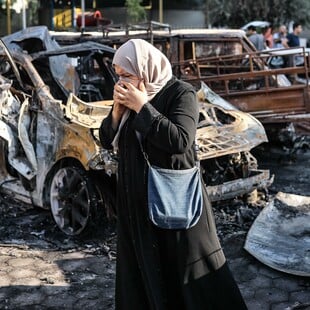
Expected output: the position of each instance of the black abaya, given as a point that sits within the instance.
(165, 269)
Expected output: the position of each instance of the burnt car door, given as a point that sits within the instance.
(15, 119)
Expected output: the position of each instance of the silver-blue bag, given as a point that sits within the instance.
(174, 196)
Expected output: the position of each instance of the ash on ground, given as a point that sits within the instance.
(237, 216)
(20, 222)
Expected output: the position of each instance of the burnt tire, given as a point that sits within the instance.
(73, 200)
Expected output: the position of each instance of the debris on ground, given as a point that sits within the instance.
(279, 236)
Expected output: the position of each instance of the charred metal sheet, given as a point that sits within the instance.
(87, 114)
(280, 235)
(260, 179)
(19, 163)
(13, 187)
(24, 120)
(9, 110)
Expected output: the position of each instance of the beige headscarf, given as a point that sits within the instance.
(142, 59)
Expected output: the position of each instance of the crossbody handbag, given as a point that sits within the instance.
(174, 196)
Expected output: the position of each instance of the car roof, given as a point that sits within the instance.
(50, 46)
(126, 34)
(13, 41)
(74, 49)
(210, 32)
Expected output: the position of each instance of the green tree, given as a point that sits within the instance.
(135, 11)
(235, 13)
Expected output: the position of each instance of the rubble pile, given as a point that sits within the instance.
(36, 225)
(236, 216)
(21, 223)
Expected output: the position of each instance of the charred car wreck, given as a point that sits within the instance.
(273, 85)
(52, 102)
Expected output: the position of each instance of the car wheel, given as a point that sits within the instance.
(73, 199)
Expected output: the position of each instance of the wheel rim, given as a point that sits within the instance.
(70, 200)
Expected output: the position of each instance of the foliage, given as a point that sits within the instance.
(236, 13)
(135, 12)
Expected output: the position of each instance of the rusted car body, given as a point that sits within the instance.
(52, 102)
(229, 64)
(250, 82)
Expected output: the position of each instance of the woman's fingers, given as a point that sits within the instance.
(130, 96)
(119, 93)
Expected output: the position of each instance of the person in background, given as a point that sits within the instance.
(267, 33)
(292, 39)
(280, 36)
(160, 269)
(256, 38)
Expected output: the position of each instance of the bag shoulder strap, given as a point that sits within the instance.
(196, 150)
(142, 150)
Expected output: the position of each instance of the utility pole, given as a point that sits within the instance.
(8, 18)
(24, 14)
(73, 14)
(207, 14)
(52, 14)
(161, 11)
(83, 15)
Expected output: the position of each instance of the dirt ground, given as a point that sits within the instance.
(41, 268)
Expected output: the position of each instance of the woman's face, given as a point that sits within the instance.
(125, 76)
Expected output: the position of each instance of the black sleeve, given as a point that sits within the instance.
(106, 132)
(175, 132)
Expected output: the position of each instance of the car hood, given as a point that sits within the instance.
(223, 129)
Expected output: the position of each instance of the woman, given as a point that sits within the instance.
(157, 268)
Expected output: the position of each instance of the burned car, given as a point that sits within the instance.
(47, 157)
(52, 102)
